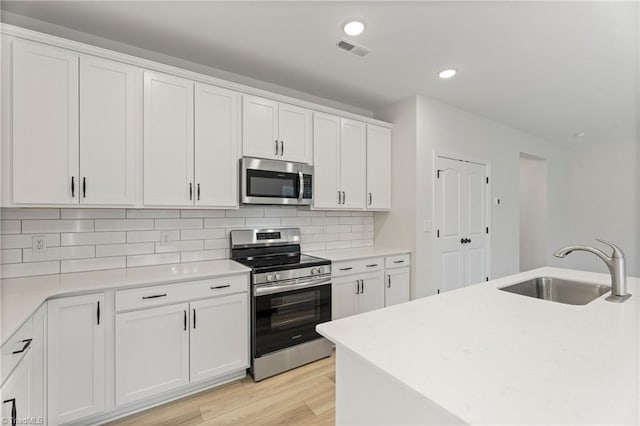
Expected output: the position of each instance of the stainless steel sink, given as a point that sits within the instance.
(559, 290)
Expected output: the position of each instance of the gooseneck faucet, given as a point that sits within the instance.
(615, 263)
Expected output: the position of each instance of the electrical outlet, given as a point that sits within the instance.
(39, 243)
(165, 238)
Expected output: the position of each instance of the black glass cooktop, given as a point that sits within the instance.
(282, 261)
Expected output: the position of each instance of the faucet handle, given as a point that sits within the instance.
(617, 251)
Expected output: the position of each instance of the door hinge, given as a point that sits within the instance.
(438, 233)
(438, 174)
(487, 229)
(438, 291)
(486, 279)
(487, 179)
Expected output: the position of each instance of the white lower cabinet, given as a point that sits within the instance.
(219, 340)
(396, 288)
(76, 358)
(356, 294)
(17, 393)
(152, 352)
(165, 348)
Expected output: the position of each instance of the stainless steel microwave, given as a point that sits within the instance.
(275, 182)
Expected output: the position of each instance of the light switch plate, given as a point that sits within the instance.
(165, 238)
(39, 243)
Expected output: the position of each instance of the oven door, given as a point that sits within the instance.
(285, 315)
(275, 182)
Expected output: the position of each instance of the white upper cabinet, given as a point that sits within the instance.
(339, 152)
(353, 165)
(168, 140)
(45, 125)
(216, 146)
(76, 358)
(326, 154)
(108, 122)
(378, 168)
(275, 130)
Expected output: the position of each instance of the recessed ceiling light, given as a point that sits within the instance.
(579, 135)
(353, 28)
(447, 73)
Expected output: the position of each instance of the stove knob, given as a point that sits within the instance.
(277, 276)
(321, 270)
(269, 277)
(313, 271)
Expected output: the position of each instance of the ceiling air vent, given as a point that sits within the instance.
(351, 47)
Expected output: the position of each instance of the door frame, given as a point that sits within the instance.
(457, 156)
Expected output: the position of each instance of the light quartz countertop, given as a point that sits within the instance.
(21, 297)
(358, 253)
(492, 357)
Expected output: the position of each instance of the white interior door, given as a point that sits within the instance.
(476, 223)
(294, 129)
(107, 132)
(216, 146)
(260, 128)
(353, 159)
(461, 217)
(326, 158)
(449, 262)
(168, 140)
(45, 124)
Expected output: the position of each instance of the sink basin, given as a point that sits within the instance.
(559, 290)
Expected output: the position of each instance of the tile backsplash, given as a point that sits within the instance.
(93, 239)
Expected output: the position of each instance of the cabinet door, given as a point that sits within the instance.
(396, 289)
(76, 361)
(294, 130)
(152, 352)
(16, 393)
(260, 128)
(372, 292)
(45, 124)
(168, 140)
(107, 132)
(219, 336)
(344, 297)
(326, 159)
(352, 163)
(378, 168)
(216, 146)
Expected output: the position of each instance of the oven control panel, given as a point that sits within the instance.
(292, 274)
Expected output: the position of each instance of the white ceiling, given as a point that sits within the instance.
(551, 69)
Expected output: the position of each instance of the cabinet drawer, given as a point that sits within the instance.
(15, 348)
(359, 266)
(398, 261)
(157, 295)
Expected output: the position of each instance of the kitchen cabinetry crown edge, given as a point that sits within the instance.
(83, 48)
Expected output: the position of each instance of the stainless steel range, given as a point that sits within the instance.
(290, 295)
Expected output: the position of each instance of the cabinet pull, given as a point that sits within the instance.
(185, 320)
(27, 343)
(14, 410)
(84, 187)
(398, 261)
(281, 148)
(73, 187)
(344, 197)
(362, 287)
(276, 147)
(388, 281)
(98, 312)
(372, 265)
(155, 296)
(190, 190)
(370, 198)
(346, 269)
(194, 318)
(198, 192)
(357, 286)
(218, 287)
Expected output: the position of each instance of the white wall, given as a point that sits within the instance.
(533, 212)
(602, 197)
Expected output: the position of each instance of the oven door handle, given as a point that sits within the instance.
(300, 186)
(296, 285)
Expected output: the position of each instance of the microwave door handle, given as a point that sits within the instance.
(300, 185)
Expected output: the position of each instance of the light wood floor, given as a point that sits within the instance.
(304, 396)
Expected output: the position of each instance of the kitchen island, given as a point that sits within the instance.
(479, 355)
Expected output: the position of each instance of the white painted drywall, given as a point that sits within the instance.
(533, 212)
